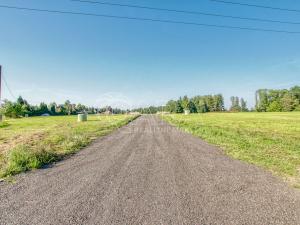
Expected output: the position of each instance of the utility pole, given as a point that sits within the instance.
(0, 84)
(0, 91)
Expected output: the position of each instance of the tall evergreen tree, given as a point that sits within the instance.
(179, 108)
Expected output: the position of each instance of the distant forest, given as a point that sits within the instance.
(21, 108)
(267, 100)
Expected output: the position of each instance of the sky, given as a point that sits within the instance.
(123, 63)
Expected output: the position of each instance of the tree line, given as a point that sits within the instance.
(283, 100)
(267, 100)
(21, 108)
(149, 110)
(197, 104)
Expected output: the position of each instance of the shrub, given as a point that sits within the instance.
(275, 106)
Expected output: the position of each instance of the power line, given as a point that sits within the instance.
(186, 12)
(149, 20)
(9, 90)
(257, 6)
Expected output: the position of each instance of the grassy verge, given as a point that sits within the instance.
(269, 140)
(30, 143)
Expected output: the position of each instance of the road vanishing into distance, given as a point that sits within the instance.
(149, 172)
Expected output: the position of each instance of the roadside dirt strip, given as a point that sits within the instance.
(148, 172)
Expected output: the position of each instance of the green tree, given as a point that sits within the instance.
(52, 108)
(201, 106)
(21, 101)
(185, 102)
(274, 106)
(171, 106)
(261, 97)
(288, 102)
(68, 107)
(235, 104)
(80, 108)
(179, 108)
(295, 91)
(244, 105)
(219, 103)
(192, 107)
(12, 110)
(43, 108)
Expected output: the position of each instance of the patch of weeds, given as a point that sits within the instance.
(74, 142)
(21, 159)
(2, 164)
(45, 155)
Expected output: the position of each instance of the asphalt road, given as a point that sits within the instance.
(149, 173)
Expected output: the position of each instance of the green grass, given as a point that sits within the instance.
(269, 140)
(30, 143)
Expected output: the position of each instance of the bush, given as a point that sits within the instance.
(275, 106)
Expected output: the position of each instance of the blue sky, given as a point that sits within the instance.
(101, 61)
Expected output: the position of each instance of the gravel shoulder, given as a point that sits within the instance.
(149, 172)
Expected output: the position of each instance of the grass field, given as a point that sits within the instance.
(269, 140)
(30, 143)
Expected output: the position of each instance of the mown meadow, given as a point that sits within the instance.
(269, 140)
(30, 143)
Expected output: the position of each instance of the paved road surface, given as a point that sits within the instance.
(149, 173)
